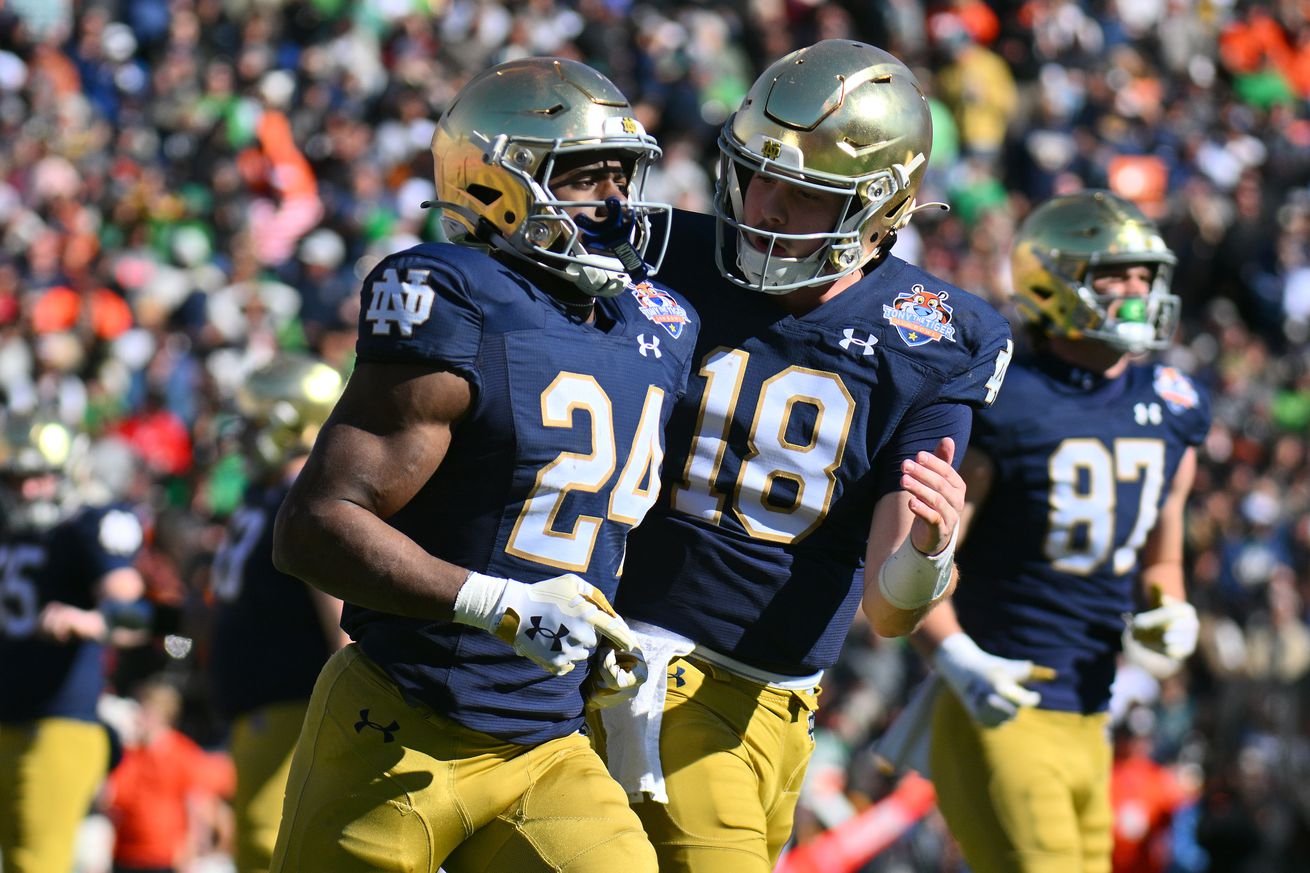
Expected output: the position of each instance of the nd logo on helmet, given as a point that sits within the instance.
(771, 149)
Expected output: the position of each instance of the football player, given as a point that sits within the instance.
(66, 580)
(1077, 478)
(470, 496)
(272, 633)
(833, 385)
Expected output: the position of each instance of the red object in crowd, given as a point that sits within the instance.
(1144, 795)
(60, 309)
(148, 793)
(160, 439)
(851, 844)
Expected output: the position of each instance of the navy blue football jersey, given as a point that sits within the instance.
(268, 642)
(1082, 467)
(790, 432)
(40, 678)
(557, 460)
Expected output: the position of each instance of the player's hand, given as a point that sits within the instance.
(616, 676)
(61, 623)
(936, 496)
(990, 688)
(555, 623)
(1170, 629)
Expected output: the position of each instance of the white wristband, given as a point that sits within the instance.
(478, 600)
(909, 579)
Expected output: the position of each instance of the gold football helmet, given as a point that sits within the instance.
(285, 404)
(839, 117)
(32, 447)
(496, 148)
(1061, 244)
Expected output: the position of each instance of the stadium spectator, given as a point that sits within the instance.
(165, 798)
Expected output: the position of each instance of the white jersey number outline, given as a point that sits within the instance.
(1091, 508)
(537, 535)
(771, 456)
(18, 600)
(243, 532)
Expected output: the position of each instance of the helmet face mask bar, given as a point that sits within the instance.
(497, 148)
(841, 118)
(1061, 248)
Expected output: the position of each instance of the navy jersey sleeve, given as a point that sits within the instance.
(1188, 403)
(419, 307)
(979, 382)
(94, 542)
(110, 537)
(922, 431)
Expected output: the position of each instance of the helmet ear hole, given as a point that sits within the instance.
(482, 193)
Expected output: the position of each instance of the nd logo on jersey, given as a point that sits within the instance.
(921, 316)
(404, 304)
(660, 307)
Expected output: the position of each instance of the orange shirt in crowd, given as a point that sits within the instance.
(1144, 795)
(148, 795)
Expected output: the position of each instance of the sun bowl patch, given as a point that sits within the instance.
(1175, 389)
(660, 307)
(921, 316)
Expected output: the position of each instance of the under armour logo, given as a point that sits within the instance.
(653, 346)
(387, 730)
(676, 675)
(537, 630)
(850, 340)
(404, 304)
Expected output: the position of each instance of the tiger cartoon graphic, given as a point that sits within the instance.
(921, 316)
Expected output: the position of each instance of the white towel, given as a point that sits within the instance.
(905, 745)
(632, 729)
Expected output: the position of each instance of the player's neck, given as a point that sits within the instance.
(806, 300)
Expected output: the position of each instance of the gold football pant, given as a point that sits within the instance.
(1030, 796)
(380, 785)
(734, 754)
(49, 772)
(262, 743)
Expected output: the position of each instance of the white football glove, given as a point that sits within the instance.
(553, 623)
(1170, 629)
(616, 676)
(989, 687)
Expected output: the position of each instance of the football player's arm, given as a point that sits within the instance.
(386, 437)
(911, 542)
(1170, 626)
(992, 689)
(977, 471)
(120, 597)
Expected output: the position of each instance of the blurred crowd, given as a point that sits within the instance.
(189, 186)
